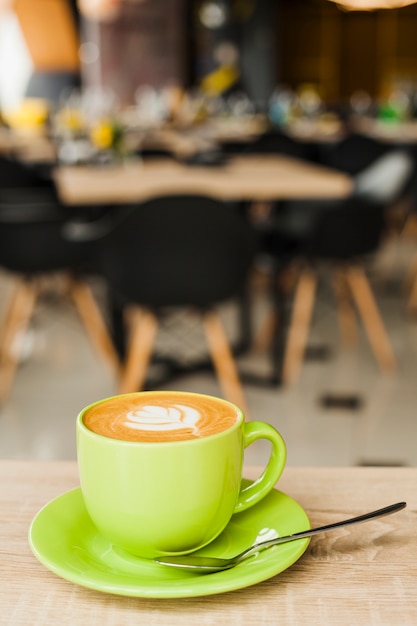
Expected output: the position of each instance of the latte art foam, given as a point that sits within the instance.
(160, 416)
(164, 418)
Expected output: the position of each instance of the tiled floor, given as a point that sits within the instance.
(60, 373)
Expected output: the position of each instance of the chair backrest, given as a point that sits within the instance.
(345, 230)
(179, 250)
(16, 174)
(353, 153)
(31, 233)
(279, 142)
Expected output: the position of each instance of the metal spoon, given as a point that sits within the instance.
(209, 565)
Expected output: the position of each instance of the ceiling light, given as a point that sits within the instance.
(372, 5)
(213, 14)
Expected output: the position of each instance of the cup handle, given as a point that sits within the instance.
(262, 486)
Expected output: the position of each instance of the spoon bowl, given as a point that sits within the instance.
(209, 565)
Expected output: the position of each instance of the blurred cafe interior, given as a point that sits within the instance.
(216, 196)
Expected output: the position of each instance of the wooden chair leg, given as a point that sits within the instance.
(345, 310)
(8, 314)
(144, 328)
(285, 282)
(372, 320)
(411, 276)
(17, 320)
(95, 325)
(224, 361)
(412, 299)
(266, 332)
(299, 326)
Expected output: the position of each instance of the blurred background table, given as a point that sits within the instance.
(250, 177)
(392, 131)
(30, 147)
(366, 574)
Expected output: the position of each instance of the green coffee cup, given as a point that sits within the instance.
(161, 472)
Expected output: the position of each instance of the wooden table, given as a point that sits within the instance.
(393, 132)
(365, 574)
(30, 147)
(250, 177)
(319, 131)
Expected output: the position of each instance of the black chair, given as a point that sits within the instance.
(343, 234)
(340, 232)
(175, 252)
(353, 153)
(356, 153)
(33, 252)
(277, 141)
(16, 174)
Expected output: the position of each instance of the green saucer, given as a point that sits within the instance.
(64, 539)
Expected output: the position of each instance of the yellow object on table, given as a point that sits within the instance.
(31, 115)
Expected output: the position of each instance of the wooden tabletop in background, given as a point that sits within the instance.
(365, 574)
(261, 177)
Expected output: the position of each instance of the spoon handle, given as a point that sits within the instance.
(387, 510)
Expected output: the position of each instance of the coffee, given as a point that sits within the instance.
(160, 416)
